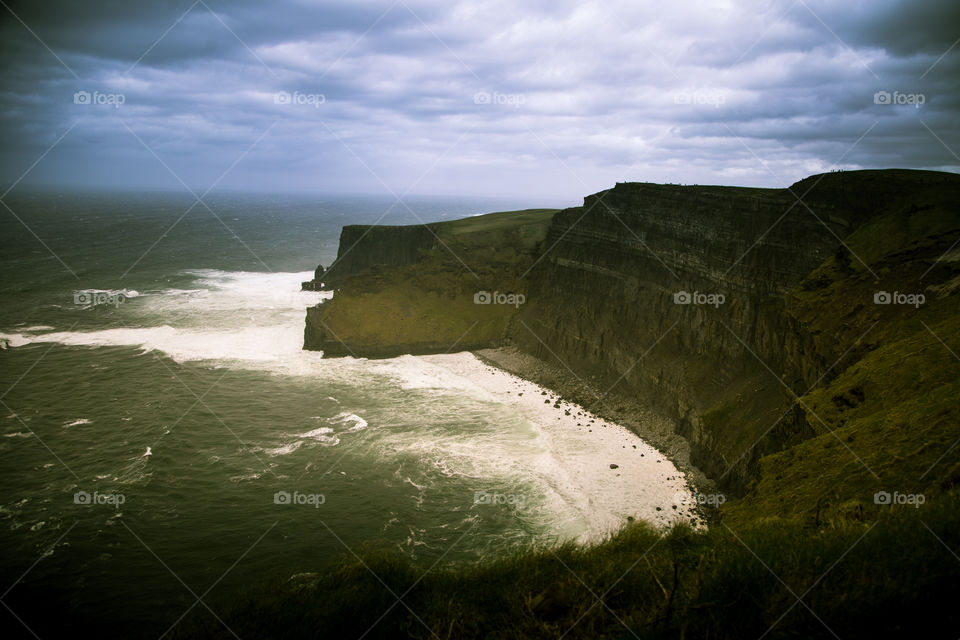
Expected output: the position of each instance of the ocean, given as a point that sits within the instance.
(163, 436)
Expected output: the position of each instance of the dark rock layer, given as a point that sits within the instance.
(363, 246)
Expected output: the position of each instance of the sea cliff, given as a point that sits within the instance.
(745, 317)
(421, 289)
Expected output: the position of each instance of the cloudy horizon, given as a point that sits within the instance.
(553, 100)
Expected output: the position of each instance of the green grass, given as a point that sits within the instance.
(887, 412)
(523, 229)
(894, 576)
(914, 218)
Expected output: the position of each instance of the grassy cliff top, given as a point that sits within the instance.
(496, 221)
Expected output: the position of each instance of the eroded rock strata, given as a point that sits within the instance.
(733, 312)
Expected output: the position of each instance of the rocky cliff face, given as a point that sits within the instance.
(425, 288)
(726, 309)
(628, 294)
(363, 246)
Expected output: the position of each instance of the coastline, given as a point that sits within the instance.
(652, 428)
(597, 474)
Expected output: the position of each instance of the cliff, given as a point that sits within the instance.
(726, 373)
(745, 316)
(426, 288)
(363, 246)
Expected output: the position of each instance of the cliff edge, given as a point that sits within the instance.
(796, 338)
(431, 288)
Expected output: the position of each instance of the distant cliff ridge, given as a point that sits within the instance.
(734, 312)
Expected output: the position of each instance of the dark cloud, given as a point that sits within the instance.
(902, 29)
(559, 98)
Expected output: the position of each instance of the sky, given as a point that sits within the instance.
(528, 98)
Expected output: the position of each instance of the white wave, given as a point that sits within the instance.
(15, 339)
(317, 434)
(18, 434)
(260, 344)
(78, 422)
(126, 293)
(321, 435)
(417, 373)
(419, 487)
(256, 289)
(285, 449)
(245, 477)
(357, 423)
(231, 316)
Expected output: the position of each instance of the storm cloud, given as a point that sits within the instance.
(540, 99)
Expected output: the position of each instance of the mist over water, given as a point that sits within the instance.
(161, 420)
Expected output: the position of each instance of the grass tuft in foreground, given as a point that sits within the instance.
(893, 577)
